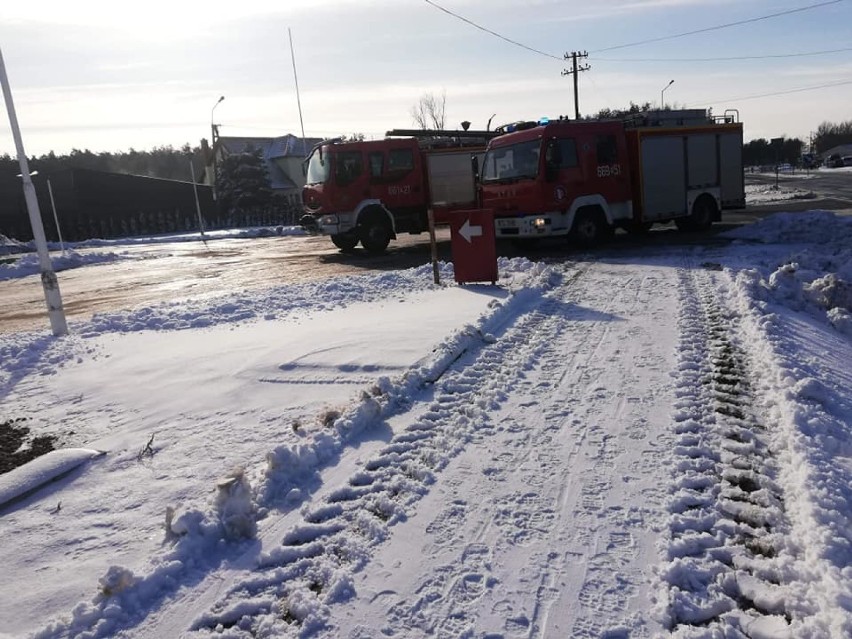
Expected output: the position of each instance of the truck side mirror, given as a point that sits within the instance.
(474, 165)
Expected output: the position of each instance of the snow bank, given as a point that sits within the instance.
(765, 193)
(817, 280)
(29, 264)
(8, 246)
(219, 234)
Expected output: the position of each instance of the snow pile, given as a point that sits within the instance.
(29, 264)
(8, 246)
(765, 193)
(815, 280)
(234, 506)
(220, 234)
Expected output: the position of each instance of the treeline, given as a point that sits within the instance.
(830, 135)
(160, 162)
(763, 152)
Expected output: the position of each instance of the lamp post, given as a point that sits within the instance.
(662, 104)
(213, 136)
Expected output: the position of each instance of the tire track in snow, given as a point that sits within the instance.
(567, 521)
(728, 528)
(312, 569)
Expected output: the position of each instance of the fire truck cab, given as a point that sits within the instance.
(540, 178)
(349, 186)
(369, 191)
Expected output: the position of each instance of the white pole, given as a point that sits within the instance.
(298, 100)
(197, 203)
(55, 216)
(48, 277)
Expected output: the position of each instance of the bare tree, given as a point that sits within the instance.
(429, 112)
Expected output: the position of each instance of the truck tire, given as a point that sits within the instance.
(345, 241)
(590, 227)
(638, 228)
(375, 234)
(702, 216)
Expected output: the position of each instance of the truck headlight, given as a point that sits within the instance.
(539, 222)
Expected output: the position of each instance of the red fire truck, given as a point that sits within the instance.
(370, 191)
(586, 178)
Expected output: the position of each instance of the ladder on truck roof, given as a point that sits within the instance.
(442, 138)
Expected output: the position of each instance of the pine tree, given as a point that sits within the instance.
(242, 181)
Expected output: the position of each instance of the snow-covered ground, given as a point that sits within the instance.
(641, 444)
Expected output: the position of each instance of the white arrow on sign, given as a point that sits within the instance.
(467, 231)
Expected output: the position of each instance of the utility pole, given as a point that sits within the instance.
(49, 282)
(575, 71)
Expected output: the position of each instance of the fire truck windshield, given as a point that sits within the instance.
(511, 162)
(319, 166)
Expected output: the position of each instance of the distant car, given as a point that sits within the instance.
(834, 161)
(784, 168)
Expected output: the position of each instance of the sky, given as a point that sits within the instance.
(607, 447)
(109, 77)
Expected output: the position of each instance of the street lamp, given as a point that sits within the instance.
(662, 104)
(213, 137)
(53, 205)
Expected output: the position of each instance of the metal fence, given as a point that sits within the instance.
(95, 204)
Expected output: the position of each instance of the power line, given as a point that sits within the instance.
(721, 26)
(669, 37)
(494, 33)
(729, 58)
(767, 95)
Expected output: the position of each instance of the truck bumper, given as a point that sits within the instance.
(531, 226)
(336, 223)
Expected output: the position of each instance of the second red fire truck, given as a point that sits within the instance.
(369, 191)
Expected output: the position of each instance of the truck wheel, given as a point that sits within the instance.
(344, 241)
(703, 212)
(590, 228)
(375, 235)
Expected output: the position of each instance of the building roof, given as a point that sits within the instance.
(285, 146)
(841, 150)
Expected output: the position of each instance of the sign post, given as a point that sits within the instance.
(434, 243)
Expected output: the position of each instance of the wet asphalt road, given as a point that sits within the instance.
(172, 272)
